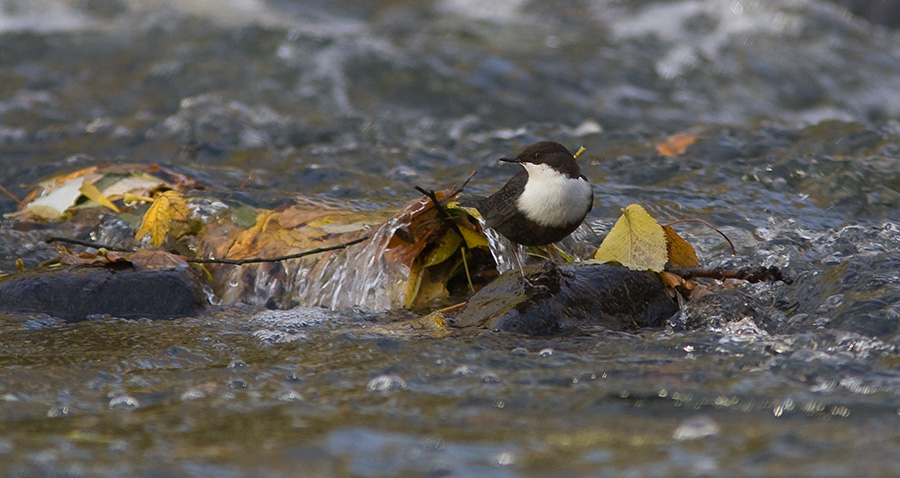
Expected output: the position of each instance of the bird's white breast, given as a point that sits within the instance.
(554, 199)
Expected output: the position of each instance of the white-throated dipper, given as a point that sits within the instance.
(543, 203)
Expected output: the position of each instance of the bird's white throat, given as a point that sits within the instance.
(553, 199)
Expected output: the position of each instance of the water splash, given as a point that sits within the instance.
(359, 276)
(502, 250)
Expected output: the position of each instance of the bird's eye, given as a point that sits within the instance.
(535, 155)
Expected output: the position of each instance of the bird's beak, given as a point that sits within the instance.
(510, 160)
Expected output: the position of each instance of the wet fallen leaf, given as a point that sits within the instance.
(168, 206)
(676, 145)
(100, 258)
(681, 253)
(472, 234)
(157, 260)
(53, 204)
(419, 222)
(671, 280)
(446, 246)
(636, 241)
(91, 192)
(103, 184)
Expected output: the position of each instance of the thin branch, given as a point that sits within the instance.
(247, 181)
(749, 274)
(701, 221)
(215, 261)
(466, 182)
(298, 255)
(69, 240)
(453, 192)
(434, 199)
(13, 196)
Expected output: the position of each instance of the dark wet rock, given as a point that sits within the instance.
(82, 293)
(721, 307)
(564, 298)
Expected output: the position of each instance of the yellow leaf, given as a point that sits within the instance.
(636, 241)
(681, 253)
(91, 192)
(473, 238)
(411, 287)
(169, 206)
(468, 210)
(446, 246)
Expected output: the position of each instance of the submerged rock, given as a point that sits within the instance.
(82, 293)
(721, 307)
(564, 298)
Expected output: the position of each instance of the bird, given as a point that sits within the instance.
(543, 203)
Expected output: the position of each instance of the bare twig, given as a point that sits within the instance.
(69, 240)
(13, 196)
(701, 221)
(253, 260)
(216, 261)
(454, 191)
(749, 274)
(247, 181)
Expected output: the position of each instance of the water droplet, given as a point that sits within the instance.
(546, 352)
(840, 411)
(462, 370)
(385, 383)
(237, 384)
(520, 351)
(237, 364)
(289, 396)
(697, 427)
(123, 401)
(58, 412)
(192, 394)
(688, 348)
(506, 458)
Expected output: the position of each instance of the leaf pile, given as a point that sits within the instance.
(436, 244)
(98, 186)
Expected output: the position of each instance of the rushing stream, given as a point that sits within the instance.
(796, 105)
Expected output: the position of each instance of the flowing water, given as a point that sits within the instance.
(796, 106)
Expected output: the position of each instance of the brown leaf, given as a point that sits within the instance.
(671, 280)
(681, 253)
(100, 258)
(676, 145)
(421, 226)
(157, 260)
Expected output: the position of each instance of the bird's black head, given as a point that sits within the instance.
(550, 153)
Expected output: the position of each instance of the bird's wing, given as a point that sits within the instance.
(501, 205)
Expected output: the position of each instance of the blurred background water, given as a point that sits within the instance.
(796, 105)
